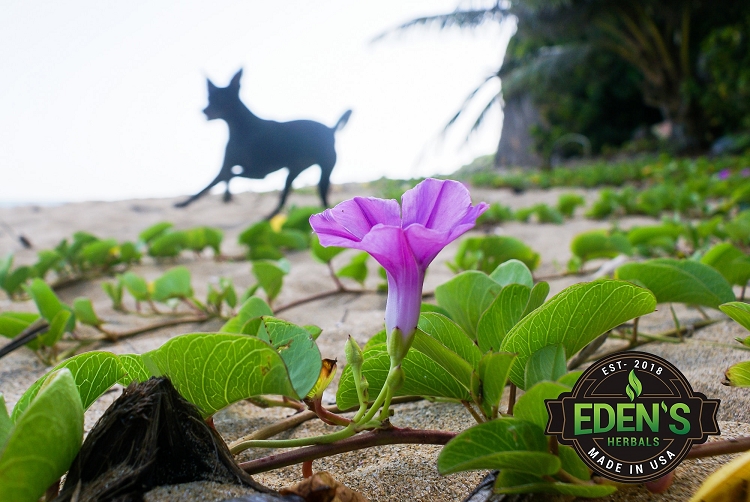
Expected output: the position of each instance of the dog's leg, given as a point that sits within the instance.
(287, 188)
(325, 182)
(221, 177)
(227, 194)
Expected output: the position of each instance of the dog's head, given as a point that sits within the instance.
(223, 100)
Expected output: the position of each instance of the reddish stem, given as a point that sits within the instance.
(511, 398)
(378, 437)
(723, 447)
(307, 471)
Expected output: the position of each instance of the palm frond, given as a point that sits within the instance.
(541, 67)
(459, 18)
(467, 101)
(480, 118)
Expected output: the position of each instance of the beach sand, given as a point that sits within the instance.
(392, 473)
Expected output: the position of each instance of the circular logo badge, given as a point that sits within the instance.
(632, 417)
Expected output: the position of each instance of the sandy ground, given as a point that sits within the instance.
(393, 473)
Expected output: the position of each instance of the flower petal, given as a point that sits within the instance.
(389, 246)
(436, 204)
(426, 243)
(348, 222)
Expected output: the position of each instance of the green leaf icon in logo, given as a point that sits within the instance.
(634, 387)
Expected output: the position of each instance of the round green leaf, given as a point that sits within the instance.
(513, 272)
(466, 297)
(738, 311)
(298, 350)
(505, 443)
(43, 442)
(94, 373)
(679, 281)
(500, 317)
(217, 369)
(574, 317)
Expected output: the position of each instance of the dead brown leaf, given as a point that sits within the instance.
(321, 487)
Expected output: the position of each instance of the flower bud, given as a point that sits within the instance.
(327, 372)
(396, 377)
(353, 353)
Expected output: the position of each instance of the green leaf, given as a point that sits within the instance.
(424, 377)
(47, 259)
(6, 424)
(44, 441)
(94, 373)
(99, 253)
(739, 311)
(505, 443)
(572, 463)
(154, 231)
(451, 335)
(57, 328)
(136, 286)
(298, 218)
(324, 254)
(538, 295)
(530, 406)
(174, 283)
(114, 291)
(5, 266)
(230, 294)
(256, 234)
(168, 244)
(731, 263)
(500, 317)
(378, 338)
(466, 297)
(486, 253)
(570, 378)
(252, 308)
(494, 369)
(289, 239)
(679, 281)
(517, 482)
(270, 276)
(135, 369)
(739, 374)
(199, 238)
(513, 272)
(46, 300)
(448, 360)
(85, 312)
(298, 350)
(574, 317)
(314, 330)
(13, 323)
(214, 370)
(599, 244)
(15, 279)
(428, 307)
(356, 268)
(547, 363)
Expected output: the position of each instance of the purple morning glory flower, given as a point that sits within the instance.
(404, 242)
(724, 174)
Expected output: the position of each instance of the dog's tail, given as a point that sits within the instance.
(342, 121)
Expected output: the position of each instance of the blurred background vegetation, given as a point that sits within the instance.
(604, 76)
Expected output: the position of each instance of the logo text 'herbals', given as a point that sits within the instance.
(632, 417)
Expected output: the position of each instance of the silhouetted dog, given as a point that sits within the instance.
(260, 147)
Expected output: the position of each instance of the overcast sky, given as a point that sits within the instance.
(102, 100)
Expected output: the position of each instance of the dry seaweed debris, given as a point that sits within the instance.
(150, 436)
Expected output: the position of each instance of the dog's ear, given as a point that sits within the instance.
(211, 86)
(235, 83)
